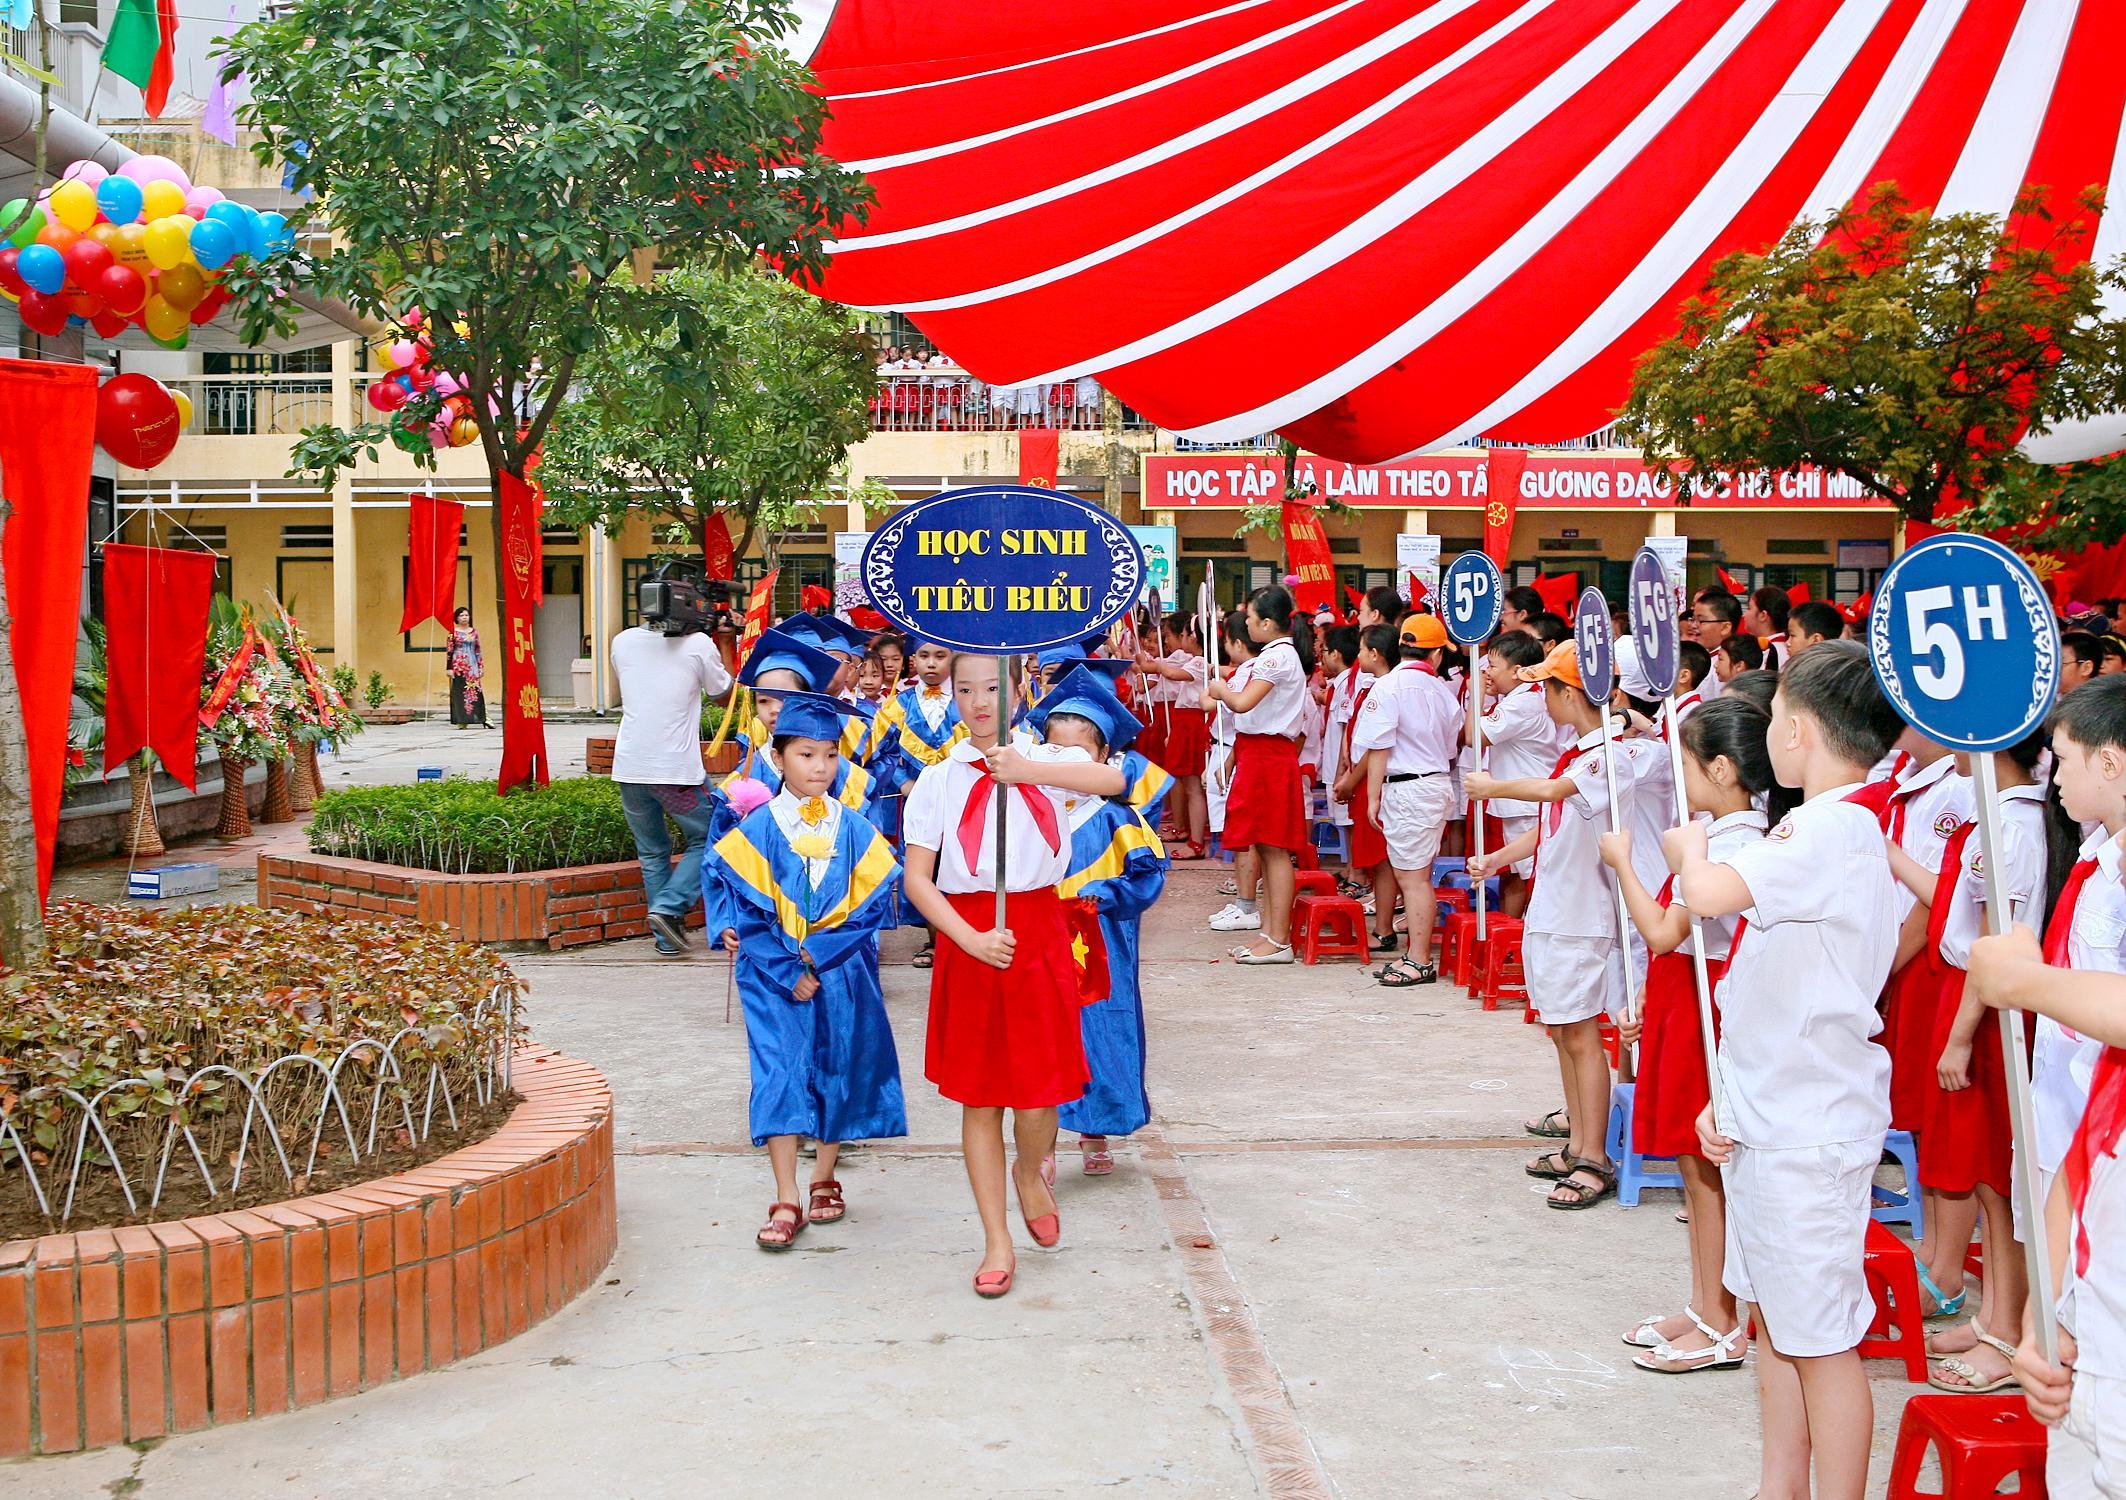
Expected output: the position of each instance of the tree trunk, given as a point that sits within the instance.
(22, 945)
(235, 807)
(280, 800)
(142, 834)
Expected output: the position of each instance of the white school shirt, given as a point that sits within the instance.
(1413, 716)
(1646, 791)
(1724, 838)
(2023, 872)
(1343, 707)
(1524, 744)
(1775, 647)
(788, 809)
(1282, 710)
(933, 708)
(2063, 1062)
(1574, 894)
(931, 820)
(1799, 1065)
(663, 679)
(1186, 694)
(1937, 801)
(2093, 1304)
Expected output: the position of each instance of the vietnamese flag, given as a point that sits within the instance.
(142, 49)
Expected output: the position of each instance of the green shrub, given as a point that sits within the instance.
(711, 718)
(467, 828)
(378, 692)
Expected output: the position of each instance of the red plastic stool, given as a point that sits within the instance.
(1458, 953)
(1313, 883)
(1893, 1281)
(1329, 926)
(1503, 977)
(1608, 1032)
(1980, 1441)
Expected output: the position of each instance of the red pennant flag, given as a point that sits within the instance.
(431, 560)
(760, 610)
(1858, 610)
(1306, 551)
(523, 727)
(1560, 594)
(1727, 581)
(1037, 456)
(815, 596)
(1356, 596)
(1797, 594)
(1502, 500)
(155, 602)
(717, 557)
(45, 446)
(1419, 593)
(864, 618)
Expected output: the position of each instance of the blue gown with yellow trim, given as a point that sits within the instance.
(1117, 860)
(1148, 784)
(903, 745)
(852, 787)
(827, 1067)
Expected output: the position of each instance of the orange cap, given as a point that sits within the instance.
(1425, 632)
(1563, 663)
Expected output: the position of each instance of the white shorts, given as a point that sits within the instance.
(1412, 816)
(1797, 1225)
(2086, 1457)
(1572, 978)
(1514, 828)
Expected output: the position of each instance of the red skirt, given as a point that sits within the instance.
(1007, 1038)
(1369, 846)
(1908, 1033)
(1671, 1091)
(1965, 1139)
(1151, 740)
(1187, 739)
(1266, 804)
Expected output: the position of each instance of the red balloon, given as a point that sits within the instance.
(422, 376)
(85, 261)
(124, 289)
(43, 314)
(216, 299)
(136, 420)
(387, 395)
(109, 324)
(81, 304)
(10, 278)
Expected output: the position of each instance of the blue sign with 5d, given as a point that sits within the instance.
(1962, 639)
(1003, 568)
(1476, 597)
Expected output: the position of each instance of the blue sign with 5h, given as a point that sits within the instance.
(1003, 568)
(1591, 637)
(1476, 597)
(1963, 641)
(1653, 621)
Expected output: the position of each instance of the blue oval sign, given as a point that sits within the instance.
(1476, 597)
(1591, 638)
(1003, 567)
(1653, 621)
(1962, 640)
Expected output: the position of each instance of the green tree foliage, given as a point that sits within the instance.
(728, 392)
(1905, 350)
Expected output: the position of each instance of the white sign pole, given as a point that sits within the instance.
(1476, 807)
(1697, 928)
(1616, 825)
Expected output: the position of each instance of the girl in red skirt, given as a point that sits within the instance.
(1379, 652)
(1004, 1030)
(1265, 808)
(1964, 1139)
(1725, 766)
(1185, 745)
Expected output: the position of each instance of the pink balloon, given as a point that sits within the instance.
(402, 353)
(200, 199)
(413, 317)
(86, 171)
(146, 169)
(447, 385)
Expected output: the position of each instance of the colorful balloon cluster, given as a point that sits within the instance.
(414, 375)
(142, 245)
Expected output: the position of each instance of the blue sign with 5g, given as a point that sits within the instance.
(1592, 637)
(1476, 597)
(1962, 638)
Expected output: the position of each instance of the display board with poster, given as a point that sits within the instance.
(1162, 563)
(1417, 557)
(849, 572)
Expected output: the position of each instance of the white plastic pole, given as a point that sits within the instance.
(1697, 928)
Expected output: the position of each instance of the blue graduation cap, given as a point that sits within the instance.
(778, 650)
(813, 716)
(1112, 668)
(1089, 695)
(830, 631)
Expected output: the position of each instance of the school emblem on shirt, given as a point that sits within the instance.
(1784, 831)
(1978, 866)
(1946, 825)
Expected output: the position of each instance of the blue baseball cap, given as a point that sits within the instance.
(778, 650)
(1088, 695)
(813, 716)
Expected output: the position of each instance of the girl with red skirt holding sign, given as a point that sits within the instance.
(1725, 767)
(1004, 1029)
(1265, 809)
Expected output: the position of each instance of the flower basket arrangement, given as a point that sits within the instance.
(242, 697)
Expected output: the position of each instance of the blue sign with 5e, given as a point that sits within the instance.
(1653, 621)
(1003, 568)
(1962, 639)
(1476, 597)
(1591, 638)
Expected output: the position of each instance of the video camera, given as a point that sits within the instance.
(675, 601)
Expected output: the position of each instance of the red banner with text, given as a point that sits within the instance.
(1307, 559)
(523, 727)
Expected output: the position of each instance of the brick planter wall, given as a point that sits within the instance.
(560, 908)
(112, 1336)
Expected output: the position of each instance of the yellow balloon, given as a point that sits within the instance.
(74, 205)
(162, 319)
(182, 286)
(184, 408)
(159, 200)
(129, 242)
(169, 241)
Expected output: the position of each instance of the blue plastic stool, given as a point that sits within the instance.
(1329, 838)
(1908, 1207)
(1632, 1174)
(1458, 880)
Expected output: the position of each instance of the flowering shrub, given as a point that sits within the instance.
(244, 693)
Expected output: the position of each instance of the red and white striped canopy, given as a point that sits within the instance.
(1381, 226)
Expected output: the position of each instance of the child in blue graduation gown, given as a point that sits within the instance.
(782, 664)
(796, 892)
(1148, 781)
(1118, 864)
(916, 729)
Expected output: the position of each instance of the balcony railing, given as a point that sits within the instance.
(255, 405)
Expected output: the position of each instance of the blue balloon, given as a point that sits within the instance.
(119, 198)
(278, 240)
(228, 211)
(254, 233)
(213, 244)
(43, 268)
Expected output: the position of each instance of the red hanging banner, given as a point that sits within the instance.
(431, 560)
(155, 602)
(760, 610)
(1037, 456)
(45, 446)
(718, 560)
(1306, 550)
(523, 728)
(1502, 501)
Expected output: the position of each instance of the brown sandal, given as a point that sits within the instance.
(780, 1234)
(827, 1205)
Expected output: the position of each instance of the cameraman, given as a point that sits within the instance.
(665, 667)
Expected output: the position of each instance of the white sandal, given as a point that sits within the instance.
(1644, 1337)
(1281, 953)
(1725, 1352)
(1975, 1383)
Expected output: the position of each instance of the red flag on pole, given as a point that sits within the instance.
(1727, 581)
(718, 559)
(1502, 501)
(45, 446)
(523, 728)
(1560, 594)
(155, 602)
(431, 560)
(1306, 551)
(1037, 456)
